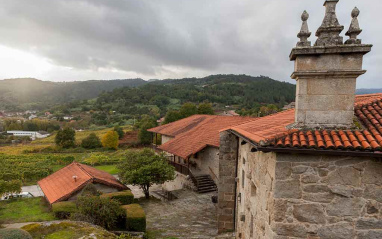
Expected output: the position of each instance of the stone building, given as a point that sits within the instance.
(314, 171)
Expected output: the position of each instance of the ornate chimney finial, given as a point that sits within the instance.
(304, 33)
(329, 32)
(354, 29)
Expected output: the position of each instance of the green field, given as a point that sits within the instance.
(112, 169)
(25, 210)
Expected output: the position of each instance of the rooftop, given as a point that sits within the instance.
(196, 132)
(69, 180)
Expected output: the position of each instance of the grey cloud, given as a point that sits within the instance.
(199, 37)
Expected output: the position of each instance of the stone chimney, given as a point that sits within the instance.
(326, 73)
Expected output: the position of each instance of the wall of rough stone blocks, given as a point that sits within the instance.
(256, 175)
(327, 197)
(227, 175)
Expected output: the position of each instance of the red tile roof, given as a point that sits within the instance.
(272, 130)
(197, 132)
(61, 185)
(181, 126)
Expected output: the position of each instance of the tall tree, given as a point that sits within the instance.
(110, 140)
(66, 138)
(205, 109)
(188, 109)
(145, 168)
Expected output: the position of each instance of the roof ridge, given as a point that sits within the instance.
(85, 171)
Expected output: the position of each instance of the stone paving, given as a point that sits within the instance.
(192, 215)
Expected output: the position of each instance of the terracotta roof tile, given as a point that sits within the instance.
(60, 185)
(368, 109)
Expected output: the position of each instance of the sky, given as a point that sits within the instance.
(68, 40)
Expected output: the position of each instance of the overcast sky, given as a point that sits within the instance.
(66, 40)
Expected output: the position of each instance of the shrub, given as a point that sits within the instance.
(103, 212)
(119, 131)
(110, 140)
(63, 210)
(91, 142)
(66, 138)
(90, 190)
(13, 233)
(135, 218)
(124, 197)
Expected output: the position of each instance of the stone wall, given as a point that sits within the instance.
(208, 162)
(256, 174)
(327, 197)
(165, 139)
(227, 184)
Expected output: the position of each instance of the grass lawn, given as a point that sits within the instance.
(25, 210)
(112, 169)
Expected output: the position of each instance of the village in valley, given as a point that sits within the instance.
(224, 156)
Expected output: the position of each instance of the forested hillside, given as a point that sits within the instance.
(29, 93)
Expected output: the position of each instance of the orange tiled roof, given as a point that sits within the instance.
(272, 129)
(196, 136)
(181, 126)
(61, 185)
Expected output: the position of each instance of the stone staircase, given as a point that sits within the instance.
(204, 184)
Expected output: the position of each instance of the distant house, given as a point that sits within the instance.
(67, 183)
(229, 113)
(68, 117)
(32, 134)
(192, 145)
(32, 117)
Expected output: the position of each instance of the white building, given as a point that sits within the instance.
(32, 134)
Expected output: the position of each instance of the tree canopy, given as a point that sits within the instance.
(145, 168)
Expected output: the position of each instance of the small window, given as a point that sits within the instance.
(251, 227)
(242, 178)
(243, 160)
(253, 190)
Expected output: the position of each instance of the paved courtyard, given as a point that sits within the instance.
(192, 215)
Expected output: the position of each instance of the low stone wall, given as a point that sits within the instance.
(327, 197)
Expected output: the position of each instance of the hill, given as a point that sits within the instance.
(368, 91)
(157, 97)
(29, 93)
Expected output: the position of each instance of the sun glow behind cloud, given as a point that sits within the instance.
(16, 63)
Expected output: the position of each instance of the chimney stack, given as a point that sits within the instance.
(326, 73)
(75, 178)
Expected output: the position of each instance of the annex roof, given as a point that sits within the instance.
(181, 126)
(62, 184)
(196, 132)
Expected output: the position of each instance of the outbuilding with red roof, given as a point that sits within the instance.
(67, 183)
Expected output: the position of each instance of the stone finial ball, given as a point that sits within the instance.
(305, 16)
(355, 12)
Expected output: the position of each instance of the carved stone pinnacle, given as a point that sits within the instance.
(354, 29)
(304, 33)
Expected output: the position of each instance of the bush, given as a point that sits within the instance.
(90, 190)
(13, 233)
(91, 142)
(63, 210)
(103, 212)
(135, 218)
(119, 131)
(124, 197)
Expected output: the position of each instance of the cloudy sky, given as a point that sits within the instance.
(66, 40)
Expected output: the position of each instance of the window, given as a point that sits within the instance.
(242, 178)
(243, 160)
(251, 227)
(253, 190)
